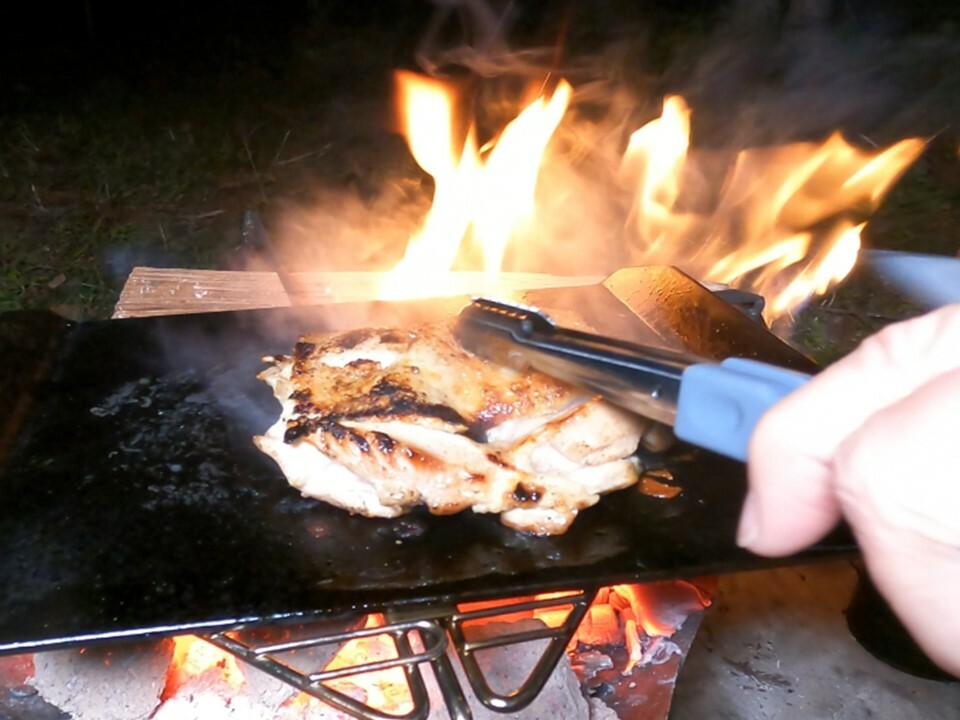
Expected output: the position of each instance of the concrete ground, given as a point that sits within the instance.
(776, 645)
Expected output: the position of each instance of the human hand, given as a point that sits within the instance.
(874, 438)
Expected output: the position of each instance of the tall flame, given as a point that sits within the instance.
(783, 221)
(653, 163)
(481, 198)
(786, 222)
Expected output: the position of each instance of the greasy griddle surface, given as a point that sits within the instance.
(133, 501)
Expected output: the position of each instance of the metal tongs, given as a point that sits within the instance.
(713, 405)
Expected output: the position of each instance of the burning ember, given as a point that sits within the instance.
(192, 658)
(784, 222)
(385, 690)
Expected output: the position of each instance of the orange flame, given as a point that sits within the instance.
(657, 609)
(653, 163)
(194, 657)
(385, 690)
(482, 198)
(783, 221)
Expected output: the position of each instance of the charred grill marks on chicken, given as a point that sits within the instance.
(379, 420)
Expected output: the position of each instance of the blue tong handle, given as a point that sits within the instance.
(719, 406)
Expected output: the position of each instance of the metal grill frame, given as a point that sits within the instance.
(435, 629)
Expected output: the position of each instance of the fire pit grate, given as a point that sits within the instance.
(524, 657)
(559, 637)
(421, 639)
(268, 658)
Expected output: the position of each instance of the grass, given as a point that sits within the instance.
(91, 186)
(105, 166)
(921, 214)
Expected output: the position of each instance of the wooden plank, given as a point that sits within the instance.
(169, 291)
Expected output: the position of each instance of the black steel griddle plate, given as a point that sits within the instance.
(132, 501)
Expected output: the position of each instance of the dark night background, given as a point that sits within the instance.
(138, 133)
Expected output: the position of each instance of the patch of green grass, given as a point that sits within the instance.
(833, 325)
(922, 212)
(157, 164)
(61, 270)
(114, 175)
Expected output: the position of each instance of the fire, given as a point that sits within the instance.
(653, 163)
(784, 221)
(201, 680)
(483, 196)
(193, 657)
(638, 616)
(386, 690)
(553, 616)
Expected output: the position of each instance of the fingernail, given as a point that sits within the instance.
(749, 528)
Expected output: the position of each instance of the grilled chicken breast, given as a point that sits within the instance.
(377, 421)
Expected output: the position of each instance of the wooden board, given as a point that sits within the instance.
(170, 291)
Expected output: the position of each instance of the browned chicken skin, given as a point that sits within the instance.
(378, 421)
